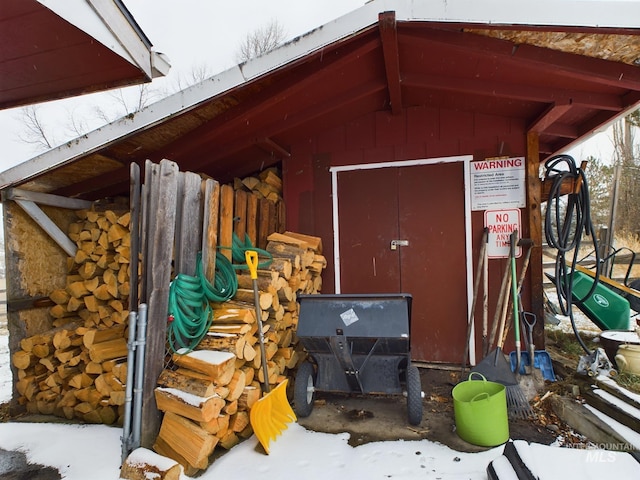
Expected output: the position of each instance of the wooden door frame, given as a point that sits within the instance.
(466, 161)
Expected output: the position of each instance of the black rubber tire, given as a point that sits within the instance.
(304, 393)
(634, 302)
(414, 395)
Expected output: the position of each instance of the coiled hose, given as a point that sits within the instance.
(190, 313)
(565, 223)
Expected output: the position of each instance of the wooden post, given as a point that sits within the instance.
(161, 228)
(534, 200)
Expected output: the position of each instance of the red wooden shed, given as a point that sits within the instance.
(378, 120)
(56, 49)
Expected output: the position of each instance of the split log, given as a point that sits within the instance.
(233, 315)
(199, 409)
(188, 439)
(314, 243)
(216, 425)
(195, 386)
(250, 395)
(162, 448)
(92, 336)
(218, 366)
(142, 464)
(99, 352)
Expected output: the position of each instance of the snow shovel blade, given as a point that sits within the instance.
(270, 415)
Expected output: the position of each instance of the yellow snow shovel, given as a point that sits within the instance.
(269, 415)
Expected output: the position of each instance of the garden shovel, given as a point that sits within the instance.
(270, 415)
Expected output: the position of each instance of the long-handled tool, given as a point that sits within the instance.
(517, 403)
(476, 284)
(496, 368)
(514, 294)
(270, 415)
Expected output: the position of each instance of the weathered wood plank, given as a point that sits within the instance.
(252, 218)
(264, 221)
(161, 229)
(134, 229)
(210, 227)
(188, 223)
(240, 217)
(225, 237)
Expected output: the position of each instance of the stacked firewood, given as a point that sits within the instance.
(208, 394)
(77, 369)
(267, 184)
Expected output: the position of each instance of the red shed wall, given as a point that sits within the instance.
(416, 133)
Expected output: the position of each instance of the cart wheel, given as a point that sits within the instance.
(304, 391)
(414, 395)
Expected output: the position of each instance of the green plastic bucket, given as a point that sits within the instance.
(480, 411)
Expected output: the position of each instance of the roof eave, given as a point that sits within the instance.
(542, 13)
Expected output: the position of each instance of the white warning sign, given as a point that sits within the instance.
(501, 224)
(497, 183)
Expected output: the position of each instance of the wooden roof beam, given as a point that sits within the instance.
(389, 37)
(551, 115)
(271, 147)
(595, 70)
(291, 85)
(514, 91)
(194, 160)
(561, 130)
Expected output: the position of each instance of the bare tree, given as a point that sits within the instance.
(627, 216)
(198, 74)
(35, 131)
(76, 124)
(260, 41)
(126, 104)
(599, 177)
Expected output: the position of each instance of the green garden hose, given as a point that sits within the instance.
(190, 313)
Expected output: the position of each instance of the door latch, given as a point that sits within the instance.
(399, 243)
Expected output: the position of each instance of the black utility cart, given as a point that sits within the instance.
(357, 344)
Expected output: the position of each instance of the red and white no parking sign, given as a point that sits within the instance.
(501, 223)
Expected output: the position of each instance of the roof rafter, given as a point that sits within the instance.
(318, 110)
(551, 115)
(287, 87)
(514, 91)
(389, 37)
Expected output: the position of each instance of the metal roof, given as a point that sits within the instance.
(563, 68)
(51, 49)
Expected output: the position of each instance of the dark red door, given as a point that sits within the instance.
(424, 207)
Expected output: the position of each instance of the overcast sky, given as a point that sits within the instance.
(193, 34)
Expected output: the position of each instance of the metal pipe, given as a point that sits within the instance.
(131, 355)
(139, 375)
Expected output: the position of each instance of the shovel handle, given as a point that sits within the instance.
(251, 256)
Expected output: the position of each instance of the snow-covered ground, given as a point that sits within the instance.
(93, 451)
(81, 452)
